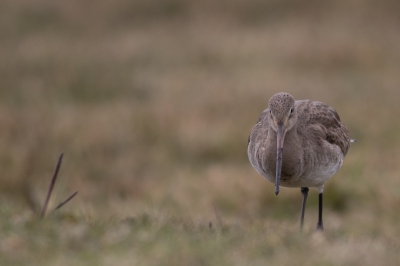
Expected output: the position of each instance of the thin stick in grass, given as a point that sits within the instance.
(65, 201)
(53, 181)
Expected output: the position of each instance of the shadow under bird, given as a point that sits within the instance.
(298, 144)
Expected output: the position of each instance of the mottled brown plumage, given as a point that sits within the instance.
(298, 144)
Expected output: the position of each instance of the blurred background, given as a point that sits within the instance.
(152, 103)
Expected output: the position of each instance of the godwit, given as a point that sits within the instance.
(298, 144)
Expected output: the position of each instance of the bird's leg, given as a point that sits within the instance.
(320, 225)
(304, 192)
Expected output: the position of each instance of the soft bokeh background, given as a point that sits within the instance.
(152, 103)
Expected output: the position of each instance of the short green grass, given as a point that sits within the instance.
(152, 105)
(166, 239)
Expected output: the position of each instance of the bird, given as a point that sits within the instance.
(299, 144)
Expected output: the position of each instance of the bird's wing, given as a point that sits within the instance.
(261, 126)
(328, 121)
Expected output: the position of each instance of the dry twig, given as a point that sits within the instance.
(65, 201)
(49, 192)
(53, 181)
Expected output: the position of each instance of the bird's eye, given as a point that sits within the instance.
(270, 111)
(291, 110)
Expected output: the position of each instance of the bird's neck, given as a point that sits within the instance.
(291, 136)
(291, 152)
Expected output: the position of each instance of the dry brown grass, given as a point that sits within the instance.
(152, 103)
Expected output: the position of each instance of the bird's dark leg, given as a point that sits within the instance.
(304, 192)
(320, 225)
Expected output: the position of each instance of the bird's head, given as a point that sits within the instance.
(281, 111)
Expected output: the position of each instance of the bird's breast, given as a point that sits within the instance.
(291, 164)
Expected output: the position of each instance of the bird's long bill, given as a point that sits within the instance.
(279, 148)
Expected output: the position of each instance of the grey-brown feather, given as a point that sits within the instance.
(318, 132)
(333, 129)
(317, 114)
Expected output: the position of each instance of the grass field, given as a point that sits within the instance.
(151, 103)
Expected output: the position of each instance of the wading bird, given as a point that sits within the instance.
(298, 144)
